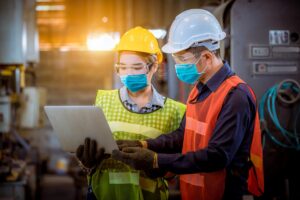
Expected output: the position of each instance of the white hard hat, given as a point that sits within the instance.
(194, 27)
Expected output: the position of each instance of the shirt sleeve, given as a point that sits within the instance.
(235, 120)
(169, 143)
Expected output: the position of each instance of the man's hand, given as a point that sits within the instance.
(89, 155)
(128, 143)
(137, 157)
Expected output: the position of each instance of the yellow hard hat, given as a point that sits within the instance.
(140, 40)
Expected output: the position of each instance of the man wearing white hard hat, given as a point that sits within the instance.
(217, 149)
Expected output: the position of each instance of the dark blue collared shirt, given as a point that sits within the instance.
(229, 146)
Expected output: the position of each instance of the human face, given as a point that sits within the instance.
(187, 57)
(133, 64)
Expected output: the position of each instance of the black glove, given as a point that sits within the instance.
(128, 143)
(89, 155)
(137, 157)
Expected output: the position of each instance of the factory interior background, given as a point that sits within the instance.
(60, 52)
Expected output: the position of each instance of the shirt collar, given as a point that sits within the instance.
(157, 99)
(217, 79)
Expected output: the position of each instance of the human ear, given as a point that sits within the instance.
(154, 67)
(207, 57)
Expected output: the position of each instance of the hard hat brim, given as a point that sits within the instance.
(167, 48)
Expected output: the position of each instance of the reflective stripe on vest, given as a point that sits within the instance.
(124, 178)
(201, 118)
(146, 131)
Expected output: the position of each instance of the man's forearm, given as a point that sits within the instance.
(167, 143)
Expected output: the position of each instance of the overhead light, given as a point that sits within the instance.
(64, 49)
(104, 19)
(158, 33)
(44, 1)
(102, 41)
(50, 8)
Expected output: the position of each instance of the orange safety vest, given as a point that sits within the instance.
(201, 118)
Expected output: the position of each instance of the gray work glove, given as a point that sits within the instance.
(137, 157)
(128, 143)
(89, 155)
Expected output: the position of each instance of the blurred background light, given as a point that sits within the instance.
(102, 41)
(159, 33)
(50, 7)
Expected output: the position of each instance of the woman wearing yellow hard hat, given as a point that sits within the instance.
(136, 112)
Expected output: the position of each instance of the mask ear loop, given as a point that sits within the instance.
(148, 65)
(202, 72)
(205, 68)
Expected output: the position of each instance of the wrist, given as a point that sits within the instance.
(144, 144)
(88, 170)
(155, 161)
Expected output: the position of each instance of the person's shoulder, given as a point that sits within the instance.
(176, 105)
(106, 94)
(241, 96)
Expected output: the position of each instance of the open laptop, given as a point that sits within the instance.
(72, 124)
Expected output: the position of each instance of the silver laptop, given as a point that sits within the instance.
(72, 124)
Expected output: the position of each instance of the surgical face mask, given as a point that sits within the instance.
(135, 82)
(188, 72)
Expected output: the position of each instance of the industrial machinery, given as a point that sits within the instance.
(19, 49)
(264, 50)
(265, 43)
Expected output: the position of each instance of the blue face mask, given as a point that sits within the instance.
(134, 83)
(188, 72)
